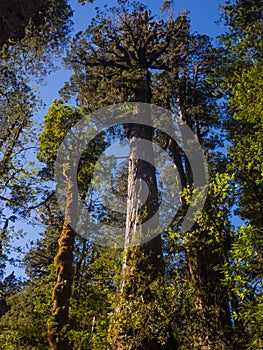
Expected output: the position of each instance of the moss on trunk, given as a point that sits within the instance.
(59, 322)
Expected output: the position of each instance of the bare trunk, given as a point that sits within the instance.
(148, 256)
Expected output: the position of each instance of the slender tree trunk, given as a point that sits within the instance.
(57, 326)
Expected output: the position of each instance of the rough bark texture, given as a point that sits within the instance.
(57, 326)
(213, 328)
(142, 264)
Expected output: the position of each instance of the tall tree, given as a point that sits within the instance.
(137, 58)
(242, 77)
(58, 121)
(49, 143)
(30, 34)
(126, 51)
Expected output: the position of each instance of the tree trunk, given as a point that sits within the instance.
(57, 326)
(143, 262)
(213, 327)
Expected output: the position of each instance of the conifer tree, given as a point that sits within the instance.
(137, 58)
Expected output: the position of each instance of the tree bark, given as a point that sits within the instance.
(57, 326)
(213, 327)
(143, 263)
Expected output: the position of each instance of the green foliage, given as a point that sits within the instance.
(243, 19)
(247, 152)
(207, 269)
(92, 298)
(58, 121)
(37, 20)
(144, 317)
(24, 325)
(42, 253)
(242, 75)
(130, 56)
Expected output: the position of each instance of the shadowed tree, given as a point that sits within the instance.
(44, 19)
